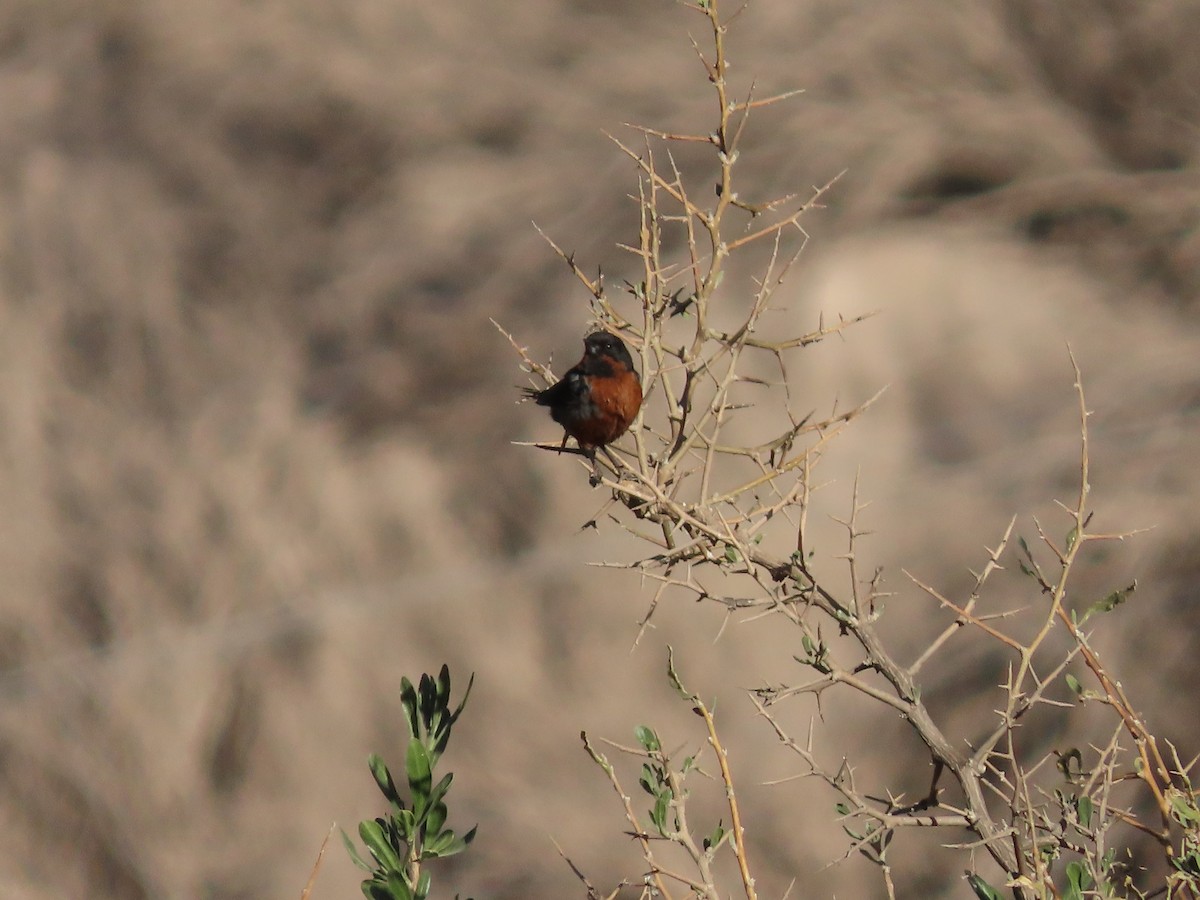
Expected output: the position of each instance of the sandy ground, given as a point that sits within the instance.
(255, 425)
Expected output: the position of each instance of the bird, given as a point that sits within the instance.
(598, 397)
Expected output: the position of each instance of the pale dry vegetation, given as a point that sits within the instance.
(255, 423)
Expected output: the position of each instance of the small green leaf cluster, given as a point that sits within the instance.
(871, 839)
(666, 787)
(657, 782)
(1079, 881)
(412, 833)
(1186, 859)
(816, 654)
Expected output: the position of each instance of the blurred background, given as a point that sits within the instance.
(255, 425)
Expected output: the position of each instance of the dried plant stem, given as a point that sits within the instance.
(739, 830)
(711, 510)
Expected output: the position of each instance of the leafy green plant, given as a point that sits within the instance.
(414, 832)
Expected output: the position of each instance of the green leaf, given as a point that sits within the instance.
(427, 692)
(398, 887)
(423, 885)
(714, 839)
(438, 723)
(448, 844)
(1084, 809)
(1110, 602)
(731, 554)
(383, 778)
(842, 809)
(408, 700)
(1078, 880)
(649, 780)
(463, 702)
(435, 818)
(982, 889)
(1074, 685)
(453, 845)
(353, 851)
(420, 772)
(443, 687)
(1072, 537)
(647, 738)
(658, 814)
(1049, 850)
(406, 824)
(434, 846)
(438, 792)
(1188, 865)
(1184, 811)
(470, 835)
(372, 833)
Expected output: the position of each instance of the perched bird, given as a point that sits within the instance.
(598, 397)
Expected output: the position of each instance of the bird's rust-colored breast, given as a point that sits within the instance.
(615, 401)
